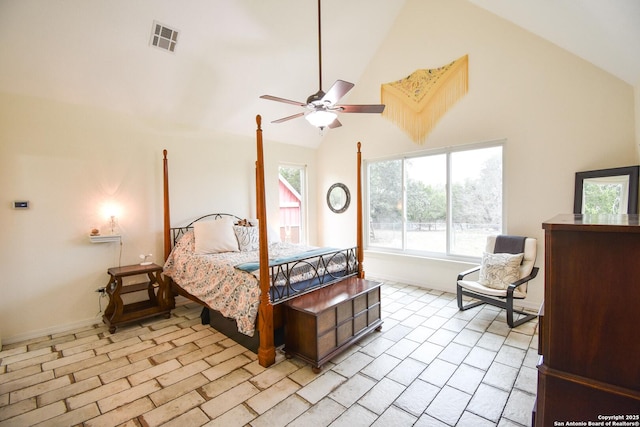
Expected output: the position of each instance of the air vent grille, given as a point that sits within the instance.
(163, 37)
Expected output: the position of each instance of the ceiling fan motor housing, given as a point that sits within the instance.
(315, 97)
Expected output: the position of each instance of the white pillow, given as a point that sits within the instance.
(498, 271)
(212, 237)
(248, 238)
(273, 234)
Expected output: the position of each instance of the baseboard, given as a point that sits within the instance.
(68, 327)
(58, 329)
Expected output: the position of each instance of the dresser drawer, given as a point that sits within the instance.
(360, 303)
(326, 321)
(345, 332)
(344, 311)
(326, 343)
(360, 322)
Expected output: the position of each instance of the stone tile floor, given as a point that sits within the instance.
(431, 365)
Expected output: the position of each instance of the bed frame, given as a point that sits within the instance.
(270, 316)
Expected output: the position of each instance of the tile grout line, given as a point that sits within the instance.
(33, 349)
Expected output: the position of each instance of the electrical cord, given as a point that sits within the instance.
(120, 254)
(102, 293)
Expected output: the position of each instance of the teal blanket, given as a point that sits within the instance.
(255, 265)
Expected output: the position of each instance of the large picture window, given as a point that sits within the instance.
(443, 203)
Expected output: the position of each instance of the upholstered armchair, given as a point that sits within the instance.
(507, 267)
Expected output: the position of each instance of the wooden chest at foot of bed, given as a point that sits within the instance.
(321, 324)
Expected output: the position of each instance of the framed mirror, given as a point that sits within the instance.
(338, 198)
(607, 191)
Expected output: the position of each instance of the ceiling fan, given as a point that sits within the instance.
(322, 107)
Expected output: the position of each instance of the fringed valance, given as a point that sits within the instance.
(417, 102)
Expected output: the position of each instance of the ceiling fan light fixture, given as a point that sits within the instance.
(321, 118)
(322, 105)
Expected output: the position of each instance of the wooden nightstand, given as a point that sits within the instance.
(160, 299)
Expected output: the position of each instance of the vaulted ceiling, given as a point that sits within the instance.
(605, 33)
(229, 52)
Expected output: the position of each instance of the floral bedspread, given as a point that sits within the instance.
(214, 279)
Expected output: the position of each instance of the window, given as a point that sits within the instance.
(443, 204)
(291, 191)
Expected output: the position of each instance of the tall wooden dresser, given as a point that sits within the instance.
(590, 322)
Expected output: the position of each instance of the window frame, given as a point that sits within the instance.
(447, 151)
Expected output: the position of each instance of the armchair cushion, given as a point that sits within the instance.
(498, 271)
(476, 287)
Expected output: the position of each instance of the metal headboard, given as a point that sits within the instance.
(178, 232)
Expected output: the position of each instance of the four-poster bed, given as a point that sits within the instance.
(278, 280)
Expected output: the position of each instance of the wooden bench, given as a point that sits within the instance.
(321, 324)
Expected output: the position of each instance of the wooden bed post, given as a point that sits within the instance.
(167, 221)
(359, 222)
(267, 349)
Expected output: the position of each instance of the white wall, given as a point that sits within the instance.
(558, 114)
(68, 161)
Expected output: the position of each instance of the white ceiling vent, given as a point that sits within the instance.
(163, 37)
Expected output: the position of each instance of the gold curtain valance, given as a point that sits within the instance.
(417, 102)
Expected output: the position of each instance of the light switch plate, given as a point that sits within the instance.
(21, 204)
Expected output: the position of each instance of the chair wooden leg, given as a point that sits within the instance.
(510, 312)
(527, 316)
(462, 307)
(506, 305)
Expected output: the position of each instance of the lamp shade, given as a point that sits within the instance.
(321, 118)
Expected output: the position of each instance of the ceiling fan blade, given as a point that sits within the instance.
(286, 101)
(335, 124)
(284, 119)
(372, 108)
(337, 91)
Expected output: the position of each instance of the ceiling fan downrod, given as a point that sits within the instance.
(319, 48)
